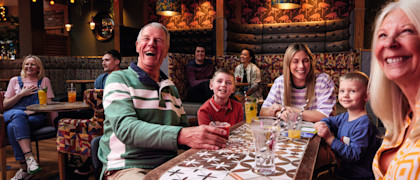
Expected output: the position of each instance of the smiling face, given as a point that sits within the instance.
(152, 48)
(222, 85)
(300, 66)
(200, 53)
(245, 57)
(109, 63)
(31, 67)
(398, 48)
(352, 94)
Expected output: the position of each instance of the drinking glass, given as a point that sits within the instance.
(251, 109)
(222, 125)
(42, 96)
(293, 125)
(71, 93)
(265, 132)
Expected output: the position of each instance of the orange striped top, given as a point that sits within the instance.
(405, 164)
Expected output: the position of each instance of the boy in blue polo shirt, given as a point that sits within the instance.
(356, 139)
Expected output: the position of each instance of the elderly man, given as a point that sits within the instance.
(111, 62)
(145, 121)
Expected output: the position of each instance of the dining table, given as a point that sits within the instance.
(295, 159)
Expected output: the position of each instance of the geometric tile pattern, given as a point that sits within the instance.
(237, 159)
(74, 135)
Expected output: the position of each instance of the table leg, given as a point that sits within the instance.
(62, 165)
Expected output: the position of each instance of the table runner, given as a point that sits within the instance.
(238, 157)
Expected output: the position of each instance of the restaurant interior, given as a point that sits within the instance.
(71, 35)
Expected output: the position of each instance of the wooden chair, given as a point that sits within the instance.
(46, 132)
(74, 136)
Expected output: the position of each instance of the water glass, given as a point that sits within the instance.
(265, 132)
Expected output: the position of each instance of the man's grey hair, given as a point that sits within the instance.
(156, 25)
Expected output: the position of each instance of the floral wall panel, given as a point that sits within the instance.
(195, 14)
(261, 12)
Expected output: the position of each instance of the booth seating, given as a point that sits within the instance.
(46, 132)
(75, 135)
(334, 64)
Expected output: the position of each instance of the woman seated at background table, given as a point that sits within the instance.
(394, 85)
(300, 82)
(248, 72)
(21, 92)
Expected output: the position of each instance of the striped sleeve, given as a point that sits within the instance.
(275, 96)
(324, 93)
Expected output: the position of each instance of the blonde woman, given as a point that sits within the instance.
(394, 85)
(21, 92)
(299, 83)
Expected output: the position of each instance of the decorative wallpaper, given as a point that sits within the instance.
(261, 12)
(195, 14)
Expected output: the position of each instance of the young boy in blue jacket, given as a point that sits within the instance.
(356, 139)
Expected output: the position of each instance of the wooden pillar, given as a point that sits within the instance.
(359, 26)
(238, 11)
(219, 27)
(31, 28)
(118, 20)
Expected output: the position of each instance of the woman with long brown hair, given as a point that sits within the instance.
(298, 84)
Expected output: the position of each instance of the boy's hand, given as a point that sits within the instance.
(324, 132)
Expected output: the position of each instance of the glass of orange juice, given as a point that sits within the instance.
(42, 96)
(71, 93)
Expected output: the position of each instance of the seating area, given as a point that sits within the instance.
(334, 64)
(74, 136)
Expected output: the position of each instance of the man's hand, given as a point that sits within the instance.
(324, 132)
(202, 137)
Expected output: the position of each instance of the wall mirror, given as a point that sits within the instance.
(104, 29)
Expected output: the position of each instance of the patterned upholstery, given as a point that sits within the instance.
(74, 135)
(271, 65)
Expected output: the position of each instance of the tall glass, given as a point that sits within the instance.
(42, 96)
(265, 132)
(251, 109)
(293, 125)
(71, 93)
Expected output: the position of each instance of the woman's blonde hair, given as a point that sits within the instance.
(38, 62)
(310, 79)
(388, 101)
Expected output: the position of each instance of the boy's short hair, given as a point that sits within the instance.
(356, 75)
(223, 70)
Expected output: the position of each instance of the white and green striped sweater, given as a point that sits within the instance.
(142, 120)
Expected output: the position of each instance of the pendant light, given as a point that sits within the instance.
(285, 4)
(168, 7)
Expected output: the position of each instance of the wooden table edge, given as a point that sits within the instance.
(160, 170)
(57, 110)
(306, 166)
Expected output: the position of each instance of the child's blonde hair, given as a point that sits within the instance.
(223, 70)
(356, 75)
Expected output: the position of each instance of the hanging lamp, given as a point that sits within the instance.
(168, 7)
(285, 4)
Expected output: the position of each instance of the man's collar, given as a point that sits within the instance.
(218, 107)
(144, 77)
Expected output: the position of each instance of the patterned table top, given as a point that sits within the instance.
(238, 159)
